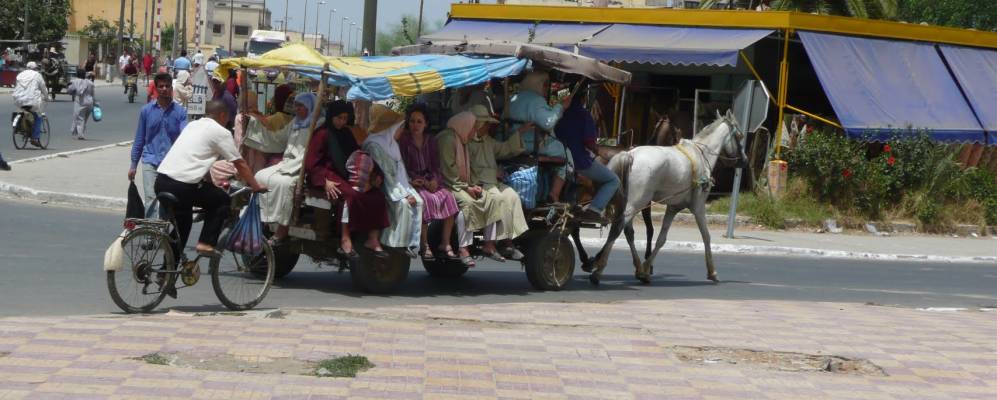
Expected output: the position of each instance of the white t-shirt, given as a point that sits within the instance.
(123, 61)
(199, 145)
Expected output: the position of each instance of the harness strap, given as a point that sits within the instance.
(694, 173)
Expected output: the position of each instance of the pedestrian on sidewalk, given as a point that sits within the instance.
(83, 89)
(159, 125)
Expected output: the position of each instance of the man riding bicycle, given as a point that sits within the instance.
(29, 94)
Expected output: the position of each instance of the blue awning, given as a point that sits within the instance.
(976, 71)
(671, 45)
(559, 35)
(879, 88)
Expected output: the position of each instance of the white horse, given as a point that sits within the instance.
(677, 176)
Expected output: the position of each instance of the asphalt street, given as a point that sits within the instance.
(118, 124)
(52, 257)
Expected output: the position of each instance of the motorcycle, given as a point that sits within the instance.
(132, 87)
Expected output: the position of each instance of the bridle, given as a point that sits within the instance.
(735, 135)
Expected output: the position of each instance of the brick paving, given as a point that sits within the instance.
(509, 351)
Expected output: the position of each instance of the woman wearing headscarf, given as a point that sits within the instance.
(478, 209)
(277, 204)
(530, 106)
(422, 162)
(182, 88)
(83, 90)
(325, 166)
(404, 203)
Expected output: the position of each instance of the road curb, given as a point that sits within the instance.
(72, 152)
(68, 199)
(724, 248)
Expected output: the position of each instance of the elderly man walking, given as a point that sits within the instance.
(159, 125)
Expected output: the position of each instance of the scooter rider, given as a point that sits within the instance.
(31, 92)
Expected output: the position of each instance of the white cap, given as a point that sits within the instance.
(32, 65)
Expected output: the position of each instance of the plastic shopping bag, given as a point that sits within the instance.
(136, 206)
(114, 256)
(246, 237)
(524, 182)
(98, 113)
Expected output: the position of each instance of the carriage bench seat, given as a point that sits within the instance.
(317, 223)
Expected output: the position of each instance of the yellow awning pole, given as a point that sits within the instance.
(755, 73)
(815, 116)
(783, 90)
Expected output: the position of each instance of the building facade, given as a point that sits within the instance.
(142, 14)
(232, 23)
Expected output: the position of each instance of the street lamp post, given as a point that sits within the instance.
(342, 47)
(318, 13)
(352, 27)
(304, 22)
(285, 17)
(329, 30)
(349, 36)
(359, 46)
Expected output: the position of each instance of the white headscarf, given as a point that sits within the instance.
(386, 140)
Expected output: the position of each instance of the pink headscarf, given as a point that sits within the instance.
(463, 126)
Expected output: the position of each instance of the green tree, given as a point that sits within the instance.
(403, 33)
(47, 20)
(101, 31)
(166, 38)
(976, 14)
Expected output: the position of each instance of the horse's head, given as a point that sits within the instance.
(732, 149)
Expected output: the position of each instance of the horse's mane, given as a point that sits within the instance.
(708, 128)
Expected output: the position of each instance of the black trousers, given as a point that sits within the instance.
(214, 201)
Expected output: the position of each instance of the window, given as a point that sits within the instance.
(217, 28)
(240, 30)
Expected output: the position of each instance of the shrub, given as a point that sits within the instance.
(828, 162)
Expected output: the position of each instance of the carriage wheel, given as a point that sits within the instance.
(443, 267)
(379, 275)
(551, 262)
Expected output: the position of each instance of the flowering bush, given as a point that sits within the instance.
(913, 176)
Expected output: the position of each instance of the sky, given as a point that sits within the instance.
(389, 12)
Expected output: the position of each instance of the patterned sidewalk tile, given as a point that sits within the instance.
(510, 351)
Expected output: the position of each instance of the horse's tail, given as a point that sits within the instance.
(620, 165)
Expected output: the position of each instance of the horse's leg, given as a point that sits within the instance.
(628, 231)
(644, 274)
(582, 255)
(649, 225)
(699, 210)
(603, 256)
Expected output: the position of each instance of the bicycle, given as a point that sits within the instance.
(21, 122)
(240, 281)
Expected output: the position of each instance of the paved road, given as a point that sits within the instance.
(52, 257)
(118, 124)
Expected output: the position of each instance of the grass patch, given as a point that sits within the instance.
(343, 367)
(156, 359)
(774, 213)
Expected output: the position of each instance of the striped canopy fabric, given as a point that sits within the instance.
(381, 78)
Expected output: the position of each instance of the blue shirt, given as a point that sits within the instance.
(575, 128)
(181, 63)
(157, 129)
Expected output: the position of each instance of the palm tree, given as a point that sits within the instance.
(884, 9)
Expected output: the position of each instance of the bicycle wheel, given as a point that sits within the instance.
(20, 138)
(241, 282)
(45, 135)
(138, 287)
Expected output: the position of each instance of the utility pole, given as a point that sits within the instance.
(285, 17)
(183, 37)
(418, 31)
(146, 27)
(329, 31)
(342, 46)
(131, 24)
(304, 22)
(231, 18)
(121, 28)
(369, 25)
(176, 31)
(318, 13)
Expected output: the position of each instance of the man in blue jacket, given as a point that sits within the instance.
(159, 125)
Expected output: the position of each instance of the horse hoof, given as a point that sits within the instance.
(645, 279)
(587, 266)
(713, 278)
(594, 279)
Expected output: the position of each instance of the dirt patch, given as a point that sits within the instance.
(777, 360)
(347, 366)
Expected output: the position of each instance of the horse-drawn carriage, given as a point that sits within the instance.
(548, 254)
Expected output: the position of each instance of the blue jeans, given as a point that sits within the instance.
(149, 190)
(36, 129)
(607, 182)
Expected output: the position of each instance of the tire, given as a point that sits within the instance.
(550, 264)
(21, 138)
(131, 95)
(45, 135)
(145, 250)
(242, 282)
(379, 275)
(284, 261)
(443, 267)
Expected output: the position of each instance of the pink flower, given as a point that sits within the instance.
(890, 161)
(887, 148)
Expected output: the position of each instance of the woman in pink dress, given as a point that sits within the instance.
(422, 162)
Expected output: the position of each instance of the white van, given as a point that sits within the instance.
(263, 41)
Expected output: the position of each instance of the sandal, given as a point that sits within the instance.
(493, 255)
(427, 254)
(468, 262)
(448, 253)
(377, 253)
(411, 253)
